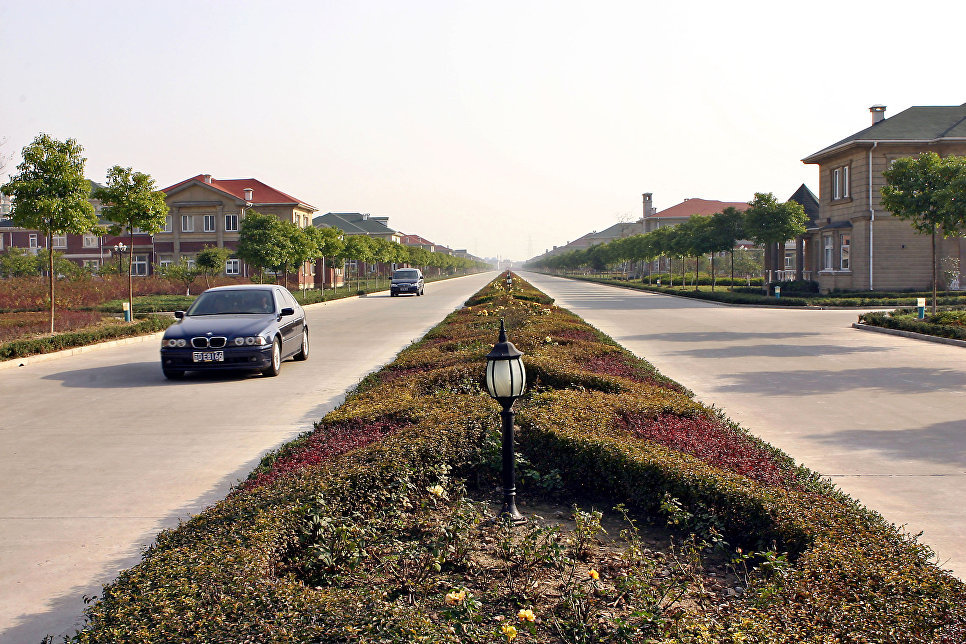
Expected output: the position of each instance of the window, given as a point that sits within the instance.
(136, 231)
(92, 264)
(187, 223)
(165, 262)
(232, 267)
(90, 241)
(32, 240)
(828, 246)
(60, 241)
(167, 224)
(845, 241)
(140, 265)
(231, 223)
(789, 261)
(840, 183)
(209, 224)
(191, 262)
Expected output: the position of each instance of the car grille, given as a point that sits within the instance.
(202, 342)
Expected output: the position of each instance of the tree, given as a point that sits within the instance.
(728, 228)
(358, 248)
(130, 201)
(262, 242)
(301, 248)
(327, 242)
(51, 195)
(211, 261)
(769, 222)
(929, 191)
(179, 272)
(662, 241)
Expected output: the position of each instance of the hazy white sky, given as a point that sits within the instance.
(501, 127)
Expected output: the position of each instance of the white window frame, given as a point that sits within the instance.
(92, 264)
(139, 266)
(187, 224)
(190, 262)
(164, 263)
(845, 182)
(828, 249)
(90, 241)
(32, 241)
(59, 241)
(167, 224)
(836, 184)
(845, 247)
(233, 267)
(208, 224)
(231, 223)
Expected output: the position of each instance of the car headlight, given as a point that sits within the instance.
(173, 343)
(239, 341)
(251, 340)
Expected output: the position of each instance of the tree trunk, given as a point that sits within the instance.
(696, 262)
(732, 286)
(50, 274)
(130, 277)
(712, 272)
(934, 271)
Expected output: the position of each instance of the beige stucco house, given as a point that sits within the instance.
(855, 244)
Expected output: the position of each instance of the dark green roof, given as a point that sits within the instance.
(921, 124)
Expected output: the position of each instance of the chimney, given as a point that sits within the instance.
(207, 178)
(648, 204)
(878, 113)
(248, 194)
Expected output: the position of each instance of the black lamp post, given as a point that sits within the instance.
(509, 281)
(119, 249)
(505, 380)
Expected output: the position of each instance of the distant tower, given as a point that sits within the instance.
(648, 204)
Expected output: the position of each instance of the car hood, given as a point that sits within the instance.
(221, 325)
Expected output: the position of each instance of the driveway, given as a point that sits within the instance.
(98, 452)
(884, 417)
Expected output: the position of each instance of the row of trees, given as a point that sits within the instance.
(766, 221)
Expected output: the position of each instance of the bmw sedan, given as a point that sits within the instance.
(251, 326)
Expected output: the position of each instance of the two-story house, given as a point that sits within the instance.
(205, 211)
(855, 244)
(680, 213)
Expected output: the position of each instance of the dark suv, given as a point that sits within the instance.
(406, 280)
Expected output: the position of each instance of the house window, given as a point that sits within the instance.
(92, 264)
(140, 265)
(167, 224)
(789, 261)
(845, 241)
(209, 224)
(165, 262)
(840, 183)
(232, 267)
(190, 262)
(828, 246)
(60, 241)
(90, 241)
(187, 223)
(32, 240)
(231, 223)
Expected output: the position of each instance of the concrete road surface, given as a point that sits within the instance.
(883, 416)
(98, 452)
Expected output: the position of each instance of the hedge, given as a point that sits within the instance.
(72, 339)
(270, 563)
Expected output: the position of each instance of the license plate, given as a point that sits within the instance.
(208, 356)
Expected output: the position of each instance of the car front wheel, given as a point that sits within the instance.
(273, 369)
(303, 353)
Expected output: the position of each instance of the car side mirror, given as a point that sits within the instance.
(287, 311)
(179, 315)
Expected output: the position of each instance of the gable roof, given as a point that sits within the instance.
(924, 124)
(262, 194)
(415, 240)
(690, 207)
(808, 200)
(354, 223)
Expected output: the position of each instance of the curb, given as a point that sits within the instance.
(909, 334)
(43, 357)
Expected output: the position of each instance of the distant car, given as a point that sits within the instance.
(406, 280)
(251, 326)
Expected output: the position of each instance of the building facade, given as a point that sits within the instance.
(857, 245)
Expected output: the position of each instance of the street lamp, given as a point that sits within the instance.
(119, 249)
(509, 281)
(505, 379)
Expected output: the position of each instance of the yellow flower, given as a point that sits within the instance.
(509, 631)
(455, 597)
(436, 490)
(526, 615)
(548, 339)
(593, 574)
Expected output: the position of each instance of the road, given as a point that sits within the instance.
(98, 452)
(883, 416)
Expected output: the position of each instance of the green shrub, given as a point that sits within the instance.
(72, 339)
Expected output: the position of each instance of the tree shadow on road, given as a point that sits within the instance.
(943, 443)
(812, 382)
(139, 374)
(713, 336)
(778, 351)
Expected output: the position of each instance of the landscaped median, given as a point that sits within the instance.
(943, 324)
(371, 528)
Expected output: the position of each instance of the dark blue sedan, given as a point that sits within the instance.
(251, 326)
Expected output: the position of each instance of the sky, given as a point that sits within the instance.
(505, 128)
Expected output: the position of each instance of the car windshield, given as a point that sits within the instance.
(232, 302)
(405, 275)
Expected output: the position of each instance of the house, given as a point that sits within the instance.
(205, 211)
(357, 223)
(420, 242)
(855, 244)
(90, 250)
(793, 267)
(680, 213)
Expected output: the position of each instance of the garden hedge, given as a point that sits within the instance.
(73, 339)
(945, 324)
(608, 422)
